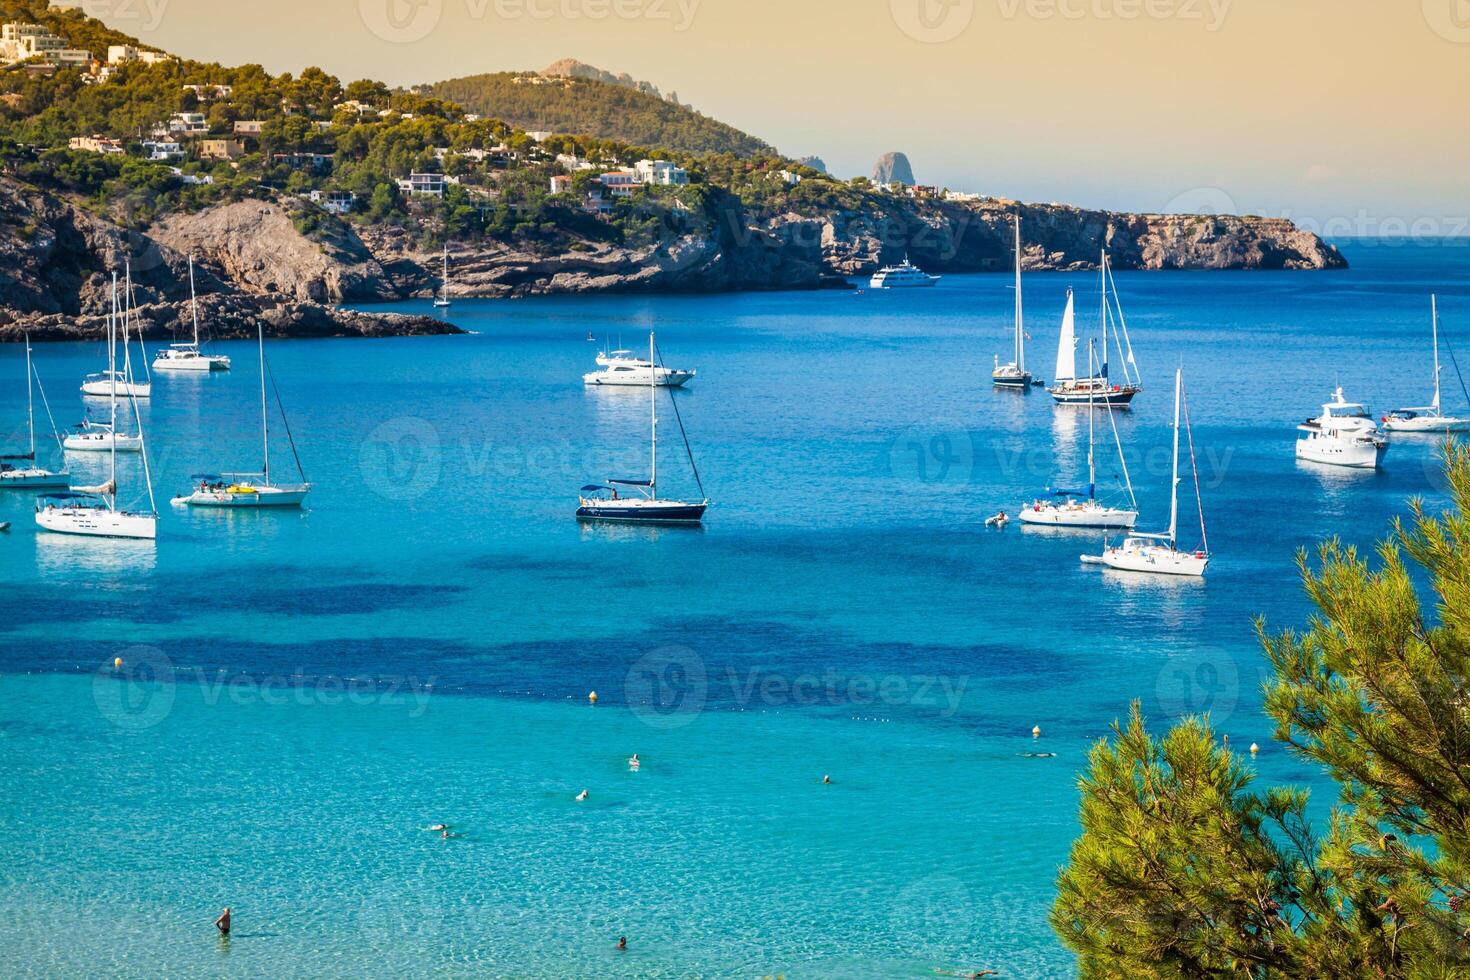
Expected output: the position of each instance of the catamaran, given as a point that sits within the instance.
(1343, 435)
(1014, 374)
(645, 506)
(93, 511)
(20, 469)
(1159, 553)
(1097, 389)
(442, 300)
(188, 357)
(901, 275)
(252, 489)
(111, 382)
(1080, 507)
(1428, 418)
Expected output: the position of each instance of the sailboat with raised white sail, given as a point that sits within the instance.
(442, 300)
(1431, 417)
(113, 381)
(252, 489)
(188, 357)
(1079, 507)
(1159, 553)
(1097, 388)
(93, 511)
(602, 502)
(1014, 374)
(20, 469)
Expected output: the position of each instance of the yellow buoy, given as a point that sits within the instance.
(1035, 731)
(592, 697)
(1255, 748)
(117, 662)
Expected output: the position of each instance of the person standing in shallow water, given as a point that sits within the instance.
(223, 922)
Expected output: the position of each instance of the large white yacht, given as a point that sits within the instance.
(903, 274)
(623, 367)
(1344, 435)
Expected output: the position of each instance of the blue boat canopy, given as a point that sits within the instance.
(66, 496)
(632, 483)
(204, 476)
(19, 456)
(1087, 491)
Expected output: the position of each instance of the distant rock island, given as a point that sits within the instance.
(816, 163)
(893, 168)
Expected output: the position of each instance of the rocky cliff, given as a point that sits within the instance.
(253, 261)
(893, 168)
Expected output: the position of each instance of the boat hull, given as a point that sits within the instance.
(192, 365)
(1333, 452)
(97, 522)
(261, 497)
(33, 478)
(1048, 515)
(1116, 396)
(641, 512)
(1426, 424)
(1021, 382)
(125, 389)
(102, 444)
(1156, 561)
(636, 379)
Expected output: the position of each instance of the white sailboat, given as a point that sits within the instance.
(1429, 418)
(1014, 374)
(1159, 553)
(1080, 507)
(442, 300)
(111, 382)
(646, 507)
(251, 489)
(20, 469)
(188, 357)
(93, 511)
(1099, 388)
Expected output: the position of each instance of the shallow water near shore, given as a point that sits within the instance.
(303, 693)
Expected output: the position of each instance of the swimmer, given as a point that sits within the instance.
(223, 922)
(1038, 755)
(622, 942)
(581, 796)
(633, 763)
(448, 835)
(826, 780)
(439, 826)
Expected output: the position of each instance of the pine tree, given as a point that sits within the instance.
(1184, 870)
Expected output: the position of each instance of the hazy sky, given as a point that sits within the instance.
(1351, 112)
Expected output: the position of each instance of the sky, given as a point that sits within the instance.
(1348, 116)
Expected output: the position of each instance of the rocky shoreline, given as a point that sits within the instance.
(253, 262)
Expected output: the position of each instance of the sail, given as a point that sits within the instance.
(1067, 346)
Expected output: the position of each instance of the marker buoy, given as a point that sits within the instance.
(117, 663)
(1035, 731)
(1255, 748)
(592, 698)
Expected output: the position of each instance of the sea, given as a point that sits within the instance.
(831, 686)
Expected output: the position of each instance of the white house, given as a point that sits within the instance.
(188, 123)
(20, 42)
(660, 172)
(425, 185)
(561, 184)
(620, 183)
(163, 150)
(337, 202)
(120, 54)
(790, 178)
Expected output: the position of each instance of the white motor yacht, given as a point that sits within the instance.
(905, 274)
(1343, 435)
(623, 367)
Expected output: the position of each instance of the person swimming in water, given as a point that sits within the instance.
(582, 796)
(826, 780)
(622, 942)
(439, 826)
(633, 763)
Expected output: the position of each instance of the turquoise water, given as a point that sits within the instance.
(303, 693)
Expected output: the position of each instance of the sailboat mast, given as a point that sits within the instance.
(112, 392)
(1434, 320)
(1104, 265)
(30, 402)
(1091, 464)
(1020, 333)
(653, 418)
(1174, 484)
(265, 429)
(193, 301)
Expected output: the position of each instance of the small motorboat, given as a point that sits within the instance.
(997, 520)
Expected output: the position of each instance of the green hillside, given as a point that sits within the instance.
(582, 106)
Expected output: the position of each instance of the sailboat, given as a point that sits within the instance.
(20, 469)
(1428, 418)
(645, 506)
(251, 489)
(112, 381)
(1067, 388)
(187, 357)
(93, 511)
(442, 300)
(1159, 553)
(1080, 507)
(1014, 374)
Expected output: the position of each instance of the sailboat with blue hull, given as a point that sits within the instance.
(637, 501)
